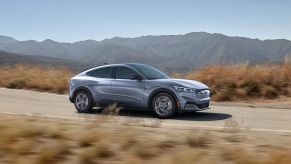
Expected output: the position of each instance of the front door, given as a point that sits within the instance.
(126, 91)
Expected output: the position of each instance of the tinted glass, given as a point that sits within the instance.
(149, 72)
(124, 73)
(101, 72)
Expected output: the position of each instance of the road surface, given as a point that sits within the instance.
(20, 102)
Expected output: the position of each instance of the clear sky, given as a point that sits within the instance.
(74, 20)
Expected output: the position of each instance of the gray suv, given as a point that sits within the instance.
(139, 86)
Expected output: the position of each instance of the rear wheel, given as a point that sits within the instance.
(164, 105)
(83, 102)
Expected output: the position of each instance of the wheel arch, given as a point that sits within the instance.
(82, 88)
(162, 90)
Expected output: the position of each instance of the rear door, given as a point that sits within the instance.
(102, 80)
(126, 91)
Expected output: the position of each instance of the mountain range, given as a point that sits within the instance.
(8, 59)
(171, 52)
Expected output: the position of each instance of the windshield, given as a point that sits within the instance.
(149, 72)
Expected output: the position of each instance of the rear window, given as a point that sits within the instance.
(101, 72)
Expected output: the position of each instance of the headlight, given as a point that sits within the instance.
(184, 89)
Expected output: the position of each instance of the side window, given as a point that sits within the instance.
(124, 73)
(101, 72)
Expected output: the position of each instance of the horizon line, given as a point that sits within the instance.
(148, 35)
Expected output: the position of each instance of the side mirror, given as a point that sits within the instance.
(135, 76)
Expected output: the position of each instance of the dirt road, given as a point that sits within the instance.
(266, 119)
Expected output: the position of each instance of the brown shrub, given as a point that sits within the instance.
(270, 92)
(54, 80)
(227, 82)
(240, 82)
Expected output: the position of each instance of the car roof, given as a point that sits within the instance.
(113, 65)
(121, 64)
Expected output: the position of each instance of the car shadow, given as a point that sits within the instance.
(187, 116)
(203, 116)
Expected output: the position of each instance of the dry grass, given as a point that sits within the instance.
(26, 141)
(186, 157)
(27, 130)
(56, 133)
(231, 125)
(242, 82)
(22, 147)
(112, 110)
(89, 138)
(198, 140)
(239, 156)
(53, 153)
(227, 82)
(100, 149)
(145, 150)
(54, 80)
(128, 141)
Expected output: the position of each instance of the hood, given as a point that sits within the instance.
(184, 83)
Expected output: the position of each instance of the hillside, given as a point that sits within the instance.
(171, 52)
(7, 59)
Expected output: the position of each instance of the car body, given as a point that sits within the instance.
(137, 85)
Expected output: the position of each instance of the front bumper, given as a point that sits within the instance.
(196, 107)
(192, 102)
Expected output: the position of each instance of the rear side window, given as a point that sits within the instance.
(124, 73)
(101, 72)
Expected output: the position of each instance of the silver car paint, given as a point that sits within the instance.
(137, 92)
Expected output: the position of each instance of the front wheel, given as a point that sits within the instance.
(83, 102)
(164, 105)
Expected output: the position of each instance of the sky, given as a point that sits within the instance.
(75, 20)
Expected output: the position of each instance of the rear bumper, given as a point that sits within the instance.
(71, 99)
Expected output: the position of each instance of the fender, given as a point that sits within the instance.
(156, 91)
(82, 88)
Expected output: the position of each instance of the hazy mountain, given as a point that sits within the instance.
(172, 52)
(199, 49)
(50, 48)
(6, 39)
(113, 53)
(12, 59)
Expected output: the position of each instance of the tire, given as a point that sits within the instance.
(163, 105)
(83, 101)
